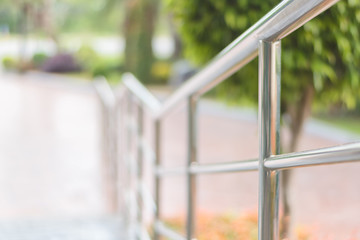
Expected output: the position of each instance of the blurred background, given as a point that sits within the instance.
(53, 168)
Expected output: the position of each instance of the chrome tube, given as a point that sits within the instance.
(278, 23)
(149, 154)
(331, 155)
(285, 18)
(157, 186)
(192, 158)
(140, 164)
(122, 169)
(269, 126)
(171, 171)
(109, 139)
(195, 168)
(129, 216)
(239, 166)
(144, 95)
(104, 91)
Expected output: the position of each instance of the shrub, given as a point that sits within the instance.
(39, 59)
(9, 63)
(107, 67)
(87, 57)
(61, 63)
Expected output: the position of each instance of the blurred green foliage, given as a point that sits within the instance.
(70, 16)
(81, 16)
(39, 58)
(324, 54)
(96, 65)
(17, 65)
(9, 14)
(9, 63)
(86, 55)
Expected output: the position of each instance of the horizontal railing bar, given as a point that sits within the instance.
(141, 92)
(285, 18)
(167, 232)
(281, 21)
(331, 155)
(240, 166)
(166, 171)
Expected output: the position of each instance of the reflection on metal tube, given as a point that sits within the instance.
(157, 134)
(192, 158)
(269, 122)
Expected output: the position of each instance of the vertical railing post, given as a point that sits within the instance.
(109, 139)
(113, 151)
(121, 166)
(157, 163)
(139, 172)
(192, 158)
(269, 127)
(128, 164)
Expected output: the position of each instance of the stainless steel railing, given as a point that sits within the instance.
(262, 40)
(109, 144)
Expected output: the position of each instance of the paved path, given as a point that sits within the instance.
(51, 181)
(105, 228)
(49, 155)
(49, 161)
(325, 199)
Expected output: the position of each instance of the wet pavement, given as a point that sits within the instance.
(50, 164)
(105, 228)
(49, 150)
(51, 179)
(325, 199)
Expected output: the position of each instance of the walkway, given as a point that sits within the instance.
(105, 228)
(325, 199)
(51, 179)
(50, 165)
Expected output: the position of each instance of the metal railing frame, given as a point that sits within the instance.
(262, 40)
(109, 145)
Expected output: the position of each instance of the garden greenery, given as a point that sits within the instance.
(324, 54)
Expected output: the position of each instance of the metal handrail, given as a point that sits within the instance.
(331, 155)
(263, 40)
(109, 99)
(146, 97)
(285, 18)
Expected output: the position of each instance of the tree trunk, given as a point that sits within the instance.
(298, 113)
(23, 22)
(176, 38)
(139, 30)
(49, 22)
